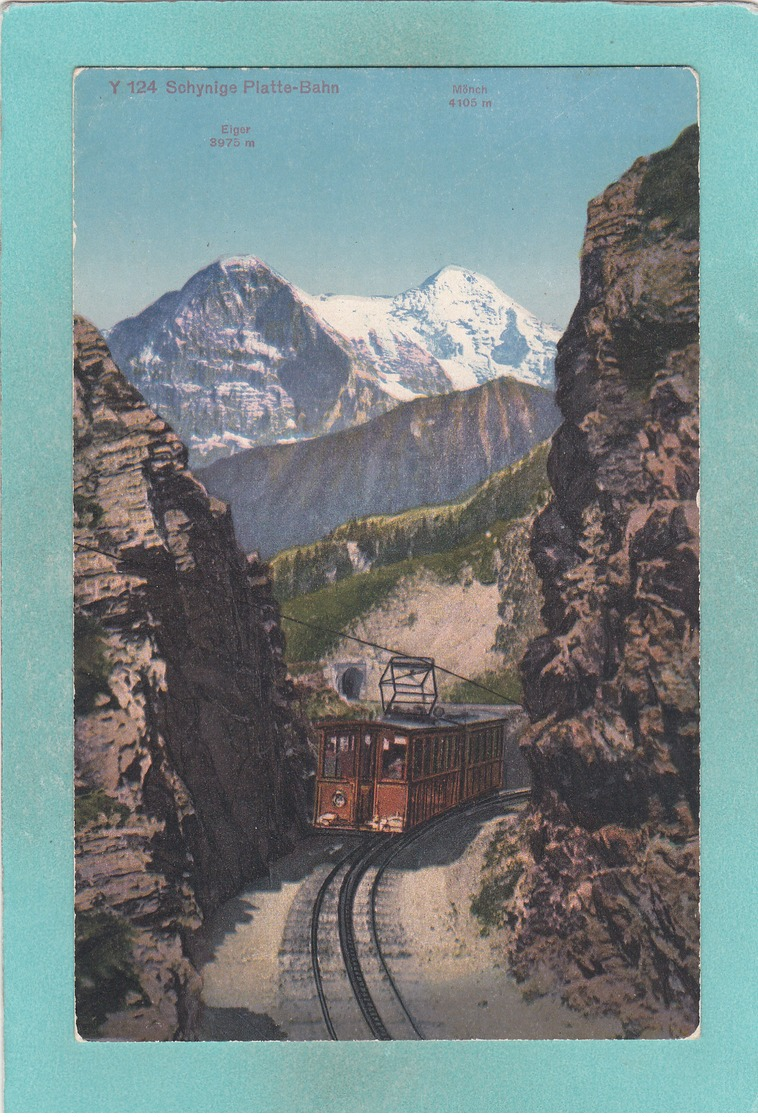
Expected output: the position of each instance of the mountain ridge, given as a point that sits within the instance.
(240, 357)
(427, 451)
(378, 541)
(472, 328)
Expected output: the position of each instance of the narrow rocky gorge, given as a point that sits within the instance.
(189, 759)
(608, 894)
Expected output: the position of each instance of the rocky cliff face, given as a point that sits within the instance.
(426, 451)
(609, 898)
(187, 762)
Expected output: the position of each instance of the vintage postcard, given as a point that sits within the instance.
(353, 684)
(386, 553)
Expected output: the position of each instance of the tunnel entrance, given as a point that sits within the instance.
(351, 683)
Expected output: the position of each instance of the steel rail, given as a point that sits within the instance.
(397, 848)
(358, 862)
(348, 943)
(315, 964)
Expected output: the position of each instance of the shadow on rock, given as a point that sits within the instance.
(237, 1024)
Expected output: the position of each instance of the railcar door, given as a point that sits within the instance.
(392, 780)
(335, 800)
(364, 810)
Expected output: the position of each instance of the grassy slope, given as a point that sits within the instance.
(487, 515)
(431, 531)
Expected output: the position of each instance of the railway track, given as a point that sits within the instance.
(346, 902)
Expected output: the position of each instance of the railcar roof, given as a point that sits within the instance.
(455, 717)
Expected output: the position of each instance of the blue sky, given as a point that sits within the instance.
(367, 191)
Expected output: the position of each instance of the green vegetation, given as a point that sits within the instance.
(501, 872)
(430, 531)
(96, 806)
(338, 606)
(105, 973)
(506, 683)
(91, 663)
(335, 607)
(87, 511)
(462, 542)
(324, 703)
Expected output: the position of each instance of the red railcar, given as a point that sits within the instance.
(396, 772)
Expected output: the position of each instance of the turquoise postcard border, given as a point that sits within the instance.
(46, 1067)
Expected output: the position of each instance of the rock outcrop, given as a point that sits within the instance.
(609, 896)
(188, 774)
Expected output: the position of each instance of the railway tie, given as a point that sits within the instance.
(348, 943)
(381, 850)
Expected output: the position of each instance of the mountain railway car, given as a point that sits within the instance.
(396, 772)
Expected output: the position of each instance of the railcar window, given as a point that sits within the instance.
(346, 757)
(367, 757)
(393, 759)
(330, 757)
(339, 757)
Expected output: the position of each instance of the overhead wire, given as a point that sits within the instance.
(394, 651)
(329, 631)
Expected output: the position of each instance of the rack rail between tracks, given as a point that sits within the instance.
(382, 849)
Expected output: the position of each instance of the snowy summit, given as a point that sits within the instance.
(463, 320)
(239, 357)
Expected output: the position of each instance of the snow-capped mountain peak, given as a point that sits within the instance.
(240, 357)
(455, 277)
(472, 330)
